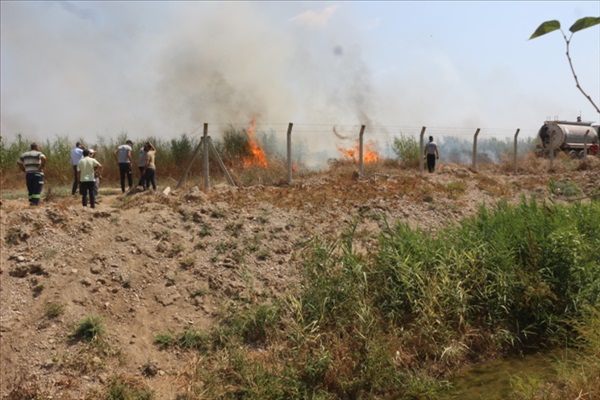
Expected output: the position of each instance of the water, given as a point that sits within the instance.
(492, 380)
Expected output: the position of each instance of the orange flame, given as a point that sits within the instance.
(369, 155)
(257, 154)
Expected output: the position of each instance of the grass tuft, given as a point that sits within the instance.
(88, 329)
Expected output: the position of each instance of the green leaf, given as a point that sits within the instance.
(583, 23)
(546, 27)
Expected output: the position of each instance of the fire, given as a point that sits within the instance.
(257, 154)
(369, 154)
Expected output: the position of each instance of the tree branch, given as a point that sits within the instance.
(568, 42)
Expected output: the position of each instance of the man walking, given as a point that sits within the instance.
(123, 155)
(431, 151)
(86, 169)
(76, 155)
(32, 162)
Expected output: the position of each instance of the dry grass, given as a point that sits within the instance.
(492, 185)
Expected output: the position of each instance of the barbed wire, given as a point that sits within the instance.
(347, 130)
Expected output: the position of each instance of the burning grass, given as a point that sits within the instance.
(253, 159)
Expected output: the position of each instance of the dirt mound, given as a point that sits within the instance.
(148, 263)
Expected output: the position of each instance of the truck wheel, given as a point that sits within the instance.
(573, 154)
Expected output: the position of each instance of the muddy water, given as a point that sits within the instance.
(492, 380)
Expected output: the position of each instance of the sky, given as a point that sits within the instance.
(94, 70)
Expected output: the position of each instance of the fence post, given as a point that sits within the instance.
(585, 137)
(474, 161)
(187, 170)
(515, 155)
(360, 149)
(552, 145)
(206, 174)
(218, 158)
(289, 152)
(422, 150)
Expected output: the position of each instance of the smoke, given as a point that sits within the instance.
(97, 69)
(100, 69)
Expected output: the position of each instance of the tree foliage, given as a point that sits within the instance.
(580, 24)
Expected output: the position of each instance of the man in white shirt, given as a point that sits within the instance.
(123, 155)
(76, 155)
(431, 151)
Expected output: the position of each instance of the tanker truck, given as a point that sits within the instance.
(569, 137)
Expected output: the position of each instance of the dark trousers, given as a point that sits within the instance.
(87, 188)
(75, 180)
(431, 162)
(35, 183)
(125, 170)
(149, 179)
(142, 178)
(96, 185)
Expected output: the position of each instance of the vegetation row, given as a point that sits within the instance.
(174, 156)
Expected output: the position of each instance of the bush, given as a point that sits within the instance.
(407, 150)
(122, 388)
(54, 310)
(88, 329)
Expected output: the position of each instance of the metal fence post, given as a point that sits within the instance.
(552, 145)
(422, 150)
(515, 154)
(474, 161)
(585, 137)
(289, 152)
(206, 174)
(360, 149)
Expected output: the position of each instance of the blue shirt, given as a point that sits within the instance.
(76, 155)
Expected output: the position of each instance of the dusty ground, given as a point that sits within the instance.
(149, 263)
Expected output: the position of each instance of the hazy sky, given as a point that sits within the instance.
(96, 69)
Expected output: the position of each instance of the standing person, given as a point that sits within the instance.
(123, 155)
(150, 170)
(142, 165)
(32, 162)
(76, 155)
(87, 180)
(431, 151)
(97, 176)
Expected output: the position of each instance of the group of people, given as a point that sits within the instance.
(87, 171)
(146, 165)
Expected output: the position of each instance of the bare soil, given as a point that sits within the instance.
(150, 262)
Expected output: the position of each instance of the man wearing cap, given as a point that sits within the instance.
(32, 162)
(76, 155)
(97, 175)
(123, 155)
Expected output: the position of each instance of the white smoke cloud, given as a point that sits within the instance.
(89, 69)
